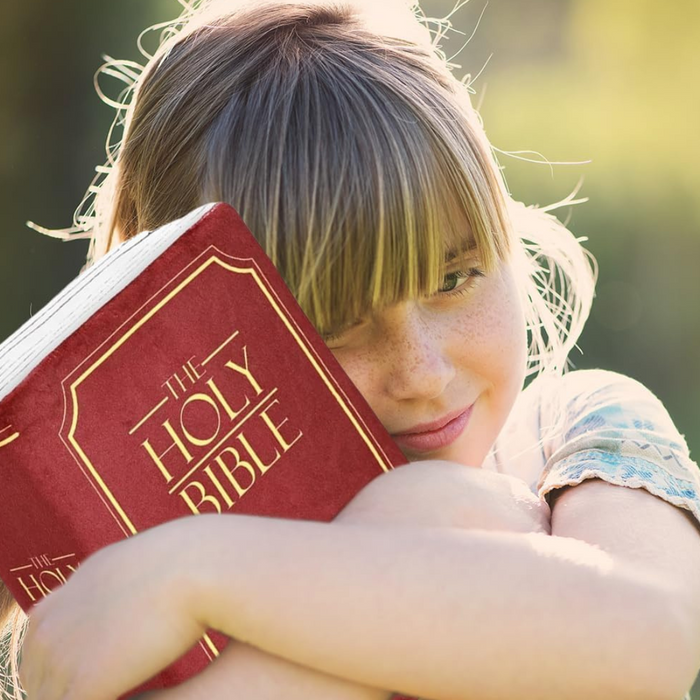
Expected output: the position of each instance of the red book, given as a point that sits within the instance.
(176, 376)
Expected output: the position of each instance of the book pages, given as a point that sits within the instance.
(82, 297)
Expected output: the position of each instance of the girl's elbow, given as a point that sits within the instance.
(668, 654)
(684, 652)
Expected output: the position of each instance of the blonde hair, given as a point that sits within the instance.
(13, 625)
(343, 139)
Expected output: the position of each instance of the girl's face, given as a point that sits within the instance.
(426, 360)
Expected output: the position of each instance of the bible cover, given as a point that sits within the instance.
(200, 387)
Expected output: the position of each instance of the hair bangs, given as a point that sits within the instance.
(351, 158)
(401, 222)
(370, 194)
(405, 210)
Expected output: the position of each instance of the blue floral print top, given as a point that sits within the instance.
(596, 424)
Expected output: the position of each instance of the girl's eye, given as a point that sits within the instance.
(457, 282)
(331, 336)
(334, 336)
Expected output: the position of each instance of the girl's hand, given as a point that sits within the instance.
(123, 616)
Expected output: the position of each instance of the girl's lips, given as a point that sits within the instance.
(435, 439)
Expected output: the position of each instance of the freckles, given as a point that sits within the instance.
(412, 356)
(361, 367)
(496, 324)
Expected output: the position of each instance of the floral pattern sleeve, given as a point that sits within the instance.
(611, 427)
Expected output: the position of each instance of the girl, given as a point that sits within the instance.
(508, 560)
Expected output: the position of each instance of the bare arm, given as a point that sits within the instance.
(503, 636)
(437, 612)
(660, 543)
(659, 539)
(243, 672)
(141, 579)
(455, 496)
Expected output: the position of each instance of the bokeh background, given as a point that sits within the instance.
(614, 82)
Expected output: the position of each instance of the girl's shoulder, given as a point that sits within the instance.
(558, 414)
(562, 402)
(586, 400)
(606, 425)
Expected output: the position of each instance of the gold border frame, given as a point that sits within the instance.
(284, 315)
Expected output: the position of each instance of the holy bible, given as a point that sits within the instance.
(176, 376)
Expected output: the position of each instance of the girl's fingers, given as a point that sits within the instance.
(121, 617)
(32, 663)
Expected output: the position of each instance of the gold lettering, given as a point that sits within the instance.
(204, 398)
(245, 371)
(158, 458)
(186, 370)
(217, 484)
(224, 403)
(204, 498)
(190, 375)
(7, 441)
(193, 368)
(179, 381)
(40, 562)
(48, 580)
(240, 466)
(274, 429)
(228, 472)
(53, 577)
(258, 462)
(28, 589)
(170, 389)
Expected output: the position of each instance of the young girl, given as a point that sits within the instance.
(542, 543)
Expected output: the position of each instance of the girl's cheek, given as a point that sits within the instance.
(360, 368)
(495, 342)
(510, 336)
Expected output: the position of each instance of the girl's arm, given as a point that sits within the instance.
(243, 672)
(444, 613)
(453, 497)
(629, 620)
(434, 612)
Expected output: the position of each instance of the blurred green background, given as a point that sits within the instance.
(615, 82)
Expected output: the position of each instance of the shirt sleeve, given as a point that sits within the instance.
(611, 427)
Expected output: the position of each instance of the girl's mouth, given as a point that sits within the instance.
(435, 439)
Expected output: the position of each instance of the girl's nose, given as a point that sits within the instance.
(416, 358)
